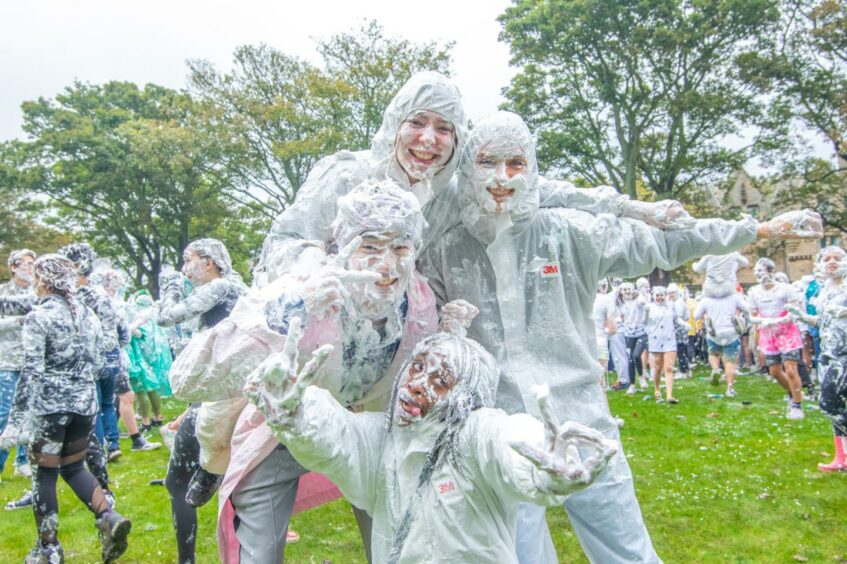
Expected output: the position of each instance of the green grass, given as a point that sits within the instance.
(717, 481)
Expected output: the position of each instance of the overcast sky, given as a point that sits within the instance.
(46, 44)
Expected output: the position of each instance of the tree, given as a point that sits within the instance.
(818, 185)
(622, 90)
(275, 115)
(804, 67)
(123, 169)
(375, 67)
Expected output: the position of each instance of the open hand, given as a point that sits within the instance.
(276, 387)
(325, 292)
(561, 456)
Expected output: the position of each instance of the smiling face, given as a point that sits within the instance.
(425, 143)
(499, 176)
(426, 384)
(393, 257)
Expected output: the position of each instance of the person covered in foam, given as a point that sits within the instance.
(721, 273)
(533, 275)
(441, 472)
(831, 319)
(370, 304)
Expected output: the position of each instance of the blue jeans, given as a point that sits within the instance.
(106, 427)
(8, 382)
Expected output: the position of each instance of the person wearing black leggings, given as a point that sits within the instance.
(55, 406)
(215, 290)
(632, 310)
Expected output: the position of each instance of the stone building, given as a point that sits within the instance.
(795, 257)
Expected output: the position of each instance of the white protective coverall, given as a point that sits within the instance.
(721, 273)
(450, 481)
(533, 277)
(308, 220)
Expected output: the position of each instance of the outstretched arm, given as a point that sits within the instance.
(633, 248)
(173, 309)
(16, 305)
(666, 214)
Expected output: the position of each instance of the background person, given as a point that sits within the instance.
(11, 350)
(56, 404)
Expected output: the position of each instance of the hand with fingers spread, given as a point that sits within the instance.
(276, 387)
(457, 316)
(325, 292)
(573, 454)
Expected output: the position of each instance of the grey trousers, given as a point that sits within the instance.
(263, 503)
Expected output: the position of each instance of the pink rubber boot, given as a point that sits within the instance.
(840, 460)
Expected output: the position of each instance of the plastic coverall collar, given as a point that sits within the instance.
(498, 127)
(424, 91)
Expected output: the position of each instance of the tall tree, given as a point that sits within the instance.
(803, 68)
(123, 170)
(275, 115)
(375, 67)
(622, 90)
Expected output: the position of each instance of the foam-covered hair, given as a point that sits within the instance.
(830, 249)
(767, 263)
(213, 250)
(56, 272)
(82, 255)
(380, 206)
(473, 367)
(15, 257)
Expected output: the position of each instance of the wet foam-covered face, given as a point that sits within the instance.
(393, 257)
(833, 263)
(23, 269)
(427, 383)
(198, 269)
(499, 176)
(627, 291)
(425, 144)
(763, 272)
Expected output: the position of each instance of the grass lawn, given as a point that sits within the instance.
(718, 481)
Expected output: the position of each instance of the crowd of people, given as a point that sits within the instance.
(645, 333)
(417, 339)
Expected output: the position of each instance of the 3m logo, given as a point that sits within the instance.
(549, 270)
(446, 487)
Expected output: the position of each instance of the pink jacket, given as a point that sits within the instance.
(253, 441)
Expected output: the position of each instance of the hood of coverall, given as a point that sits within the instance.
(502, 130)
(424, 91)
